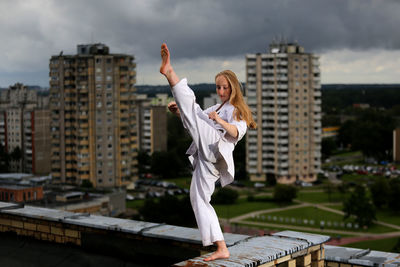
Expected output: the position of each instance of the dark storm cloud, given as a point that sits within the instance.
(32, 31)
(232, 27)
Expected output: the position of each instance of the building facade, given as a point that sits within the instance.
(396, 145)
(152, 123)
(284, 93)
(93, 123)
(24, 127)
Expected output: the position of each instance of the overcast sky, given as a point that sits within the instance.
(358, 40)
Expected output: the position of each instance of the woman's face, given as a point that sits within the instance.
(223, 88)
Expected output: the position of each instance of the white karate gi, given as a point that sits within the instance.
(210, 154)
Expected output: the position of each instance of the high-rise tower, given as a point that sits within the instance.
(93, 129)
(24, 127)
(284, 92)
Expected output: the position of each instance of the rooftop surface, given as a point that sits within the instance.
(121, 242)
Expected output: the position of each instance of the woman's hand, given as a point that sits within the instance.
(230, 128)
(173, 107)
(214, 116)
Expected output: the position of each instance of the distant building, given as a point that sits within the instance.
(25, 126)
(284, 92)
(22, 187)
(152, 122)
(20, 193)
(396, 145)
(93, 123)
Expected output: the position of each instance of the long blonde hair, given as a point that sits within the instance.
(242, 111)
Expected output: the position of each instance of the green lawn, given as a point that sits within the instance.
(336, 206)
(388, 216)
(379, 244)
(279, 229)
(182, 182)
(312, 217)
(134, 204)
(243, 206)
(319, 197)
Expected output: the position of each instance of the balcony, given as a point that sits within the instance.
(266, 78)
(267, 71)
(283, 149)
(282, 94)
(317, 93)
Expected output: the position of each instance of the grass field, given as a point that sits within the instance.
(278, 229)
(183, 182)
(379, 244)
(243, 206)
(134, 204)
(312, 217)
(388, 217)
(319, 197)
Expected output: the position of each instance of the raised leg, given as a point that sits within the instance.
(166, 67)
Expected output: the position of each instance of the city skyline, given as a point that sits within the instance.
(356, 40)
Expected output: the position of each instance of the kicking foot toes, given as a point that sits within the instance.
(165, 62)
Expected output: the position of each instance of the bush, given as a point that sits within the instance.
(170, 210)
(284, 193)
(359, 205)
(225, 196)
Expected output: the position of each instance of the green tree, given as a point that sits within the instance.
(329, 189)
(178, 142)
(359, 205)
(363, 133)
(284, 193)
(4, 159)
(166, 164)
(86, 183)
(394, 193)
(16, 154)
(168, 209)
(396, 247)
(144, 162)
(379, 192)
(239, 157)
(225, 195)
(328, 146)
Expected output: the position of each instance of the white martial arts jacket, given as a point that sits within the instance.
(227, 143)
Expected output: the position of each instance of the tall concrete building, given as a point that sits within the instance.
(396, 145)
(152, 123)
(284, 92)
(93, 129)
(24, 127)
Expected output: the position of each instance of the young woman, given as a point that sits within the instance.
(215, 132)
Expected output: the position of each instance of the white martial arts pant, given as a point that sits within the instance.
(205, 162)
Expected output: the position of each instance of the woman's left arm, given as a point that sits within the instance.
(230, 128)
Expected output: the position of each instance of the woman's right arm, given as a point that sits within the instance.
(173, 107)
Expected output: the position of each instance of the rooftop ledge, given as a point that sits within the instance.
(180, 245)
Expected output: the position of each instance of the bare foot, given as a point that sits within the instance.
(165, 63)
(166, 68)
(221, 253)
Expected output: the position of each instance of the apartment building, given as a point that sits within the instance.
(152, 122)
(24, 127)
(93, 123)
(284, 93)
(396, 145)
